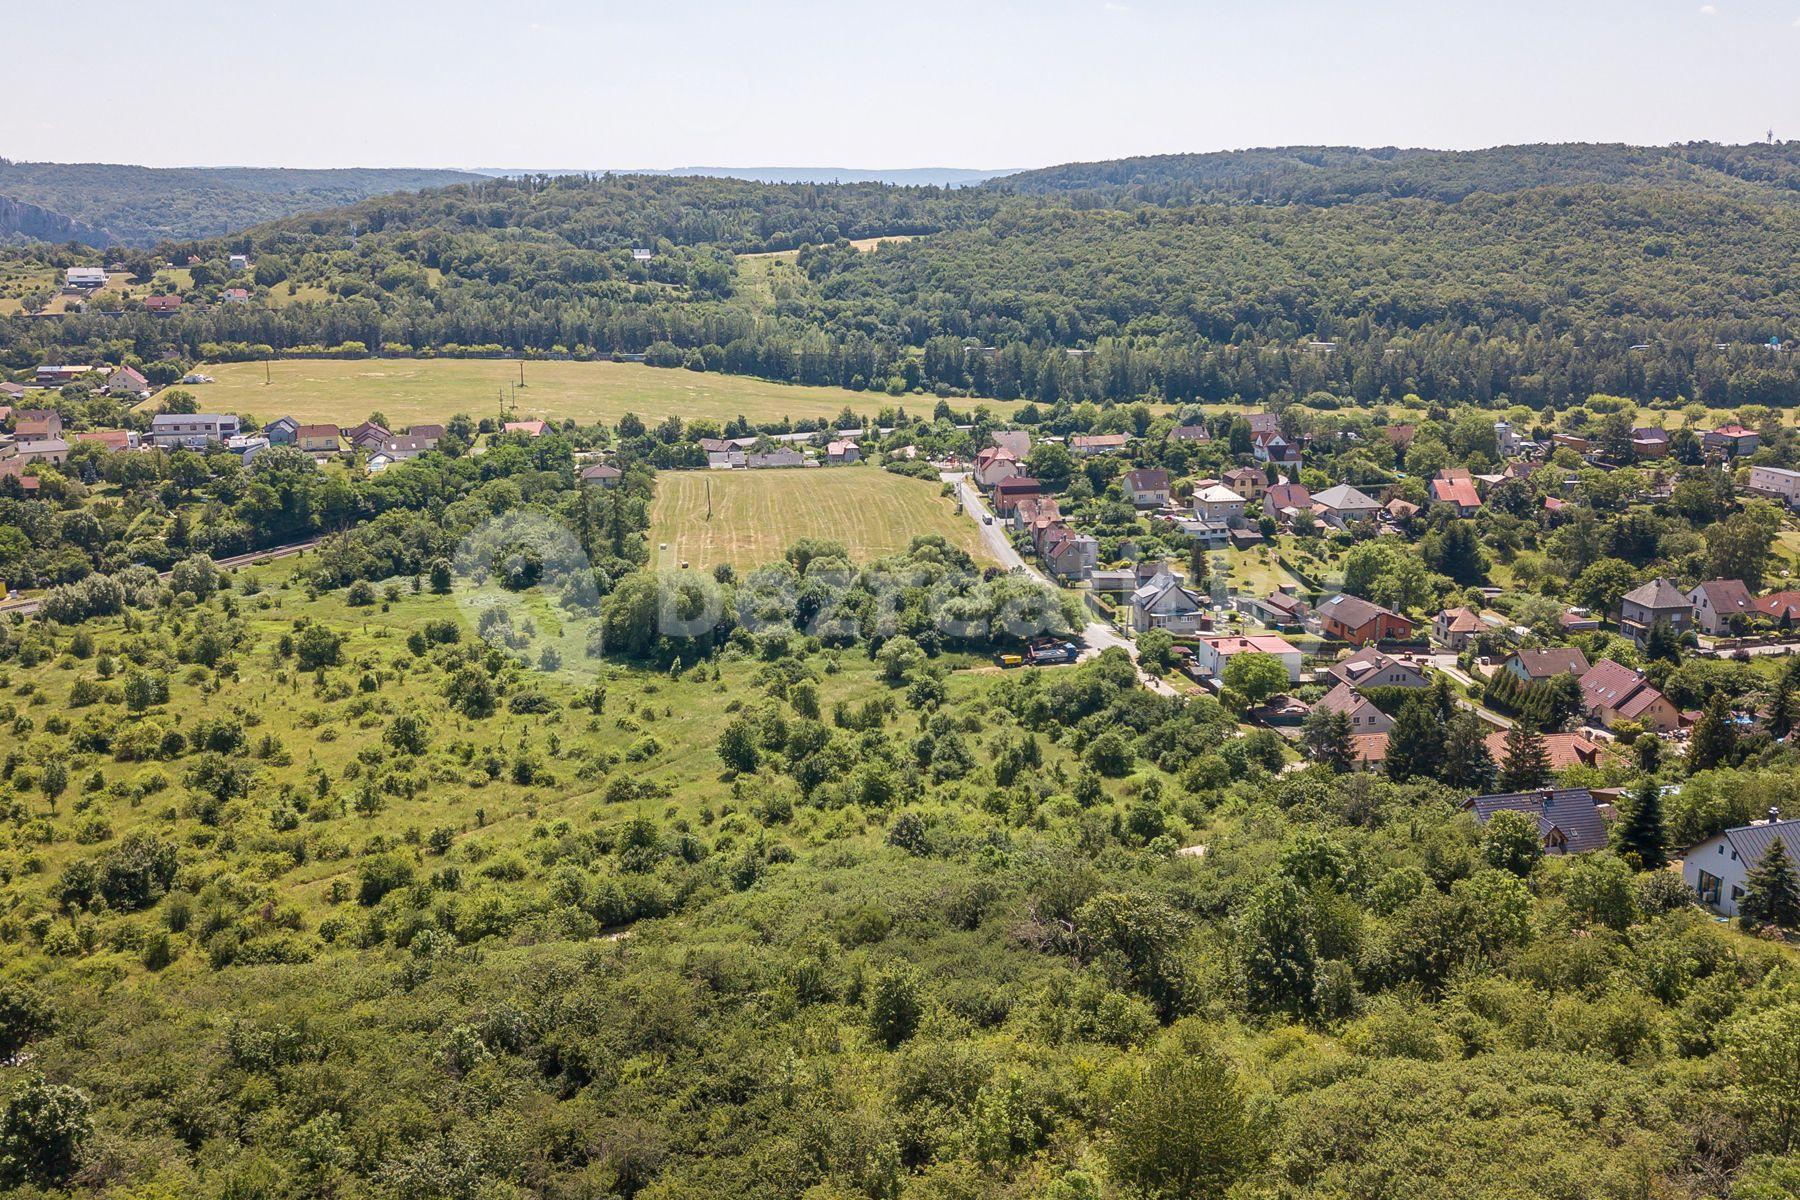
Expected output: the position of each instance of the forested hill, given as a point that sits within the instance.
(112, 204)
(1327, 175)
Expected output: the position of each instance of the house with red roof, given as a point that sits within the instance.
(1612, 692)
(1458, 494)
(1211, 654)
(1731, 441)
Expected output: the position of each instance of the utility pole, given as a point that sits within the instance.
(266, 378)
(521, 372)
(709, 497)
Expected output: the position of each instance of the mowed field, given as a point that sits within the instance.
(756, 515)
(409, 391)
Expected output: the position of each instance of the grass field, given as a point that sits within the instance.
(410, 390)
(759, 514)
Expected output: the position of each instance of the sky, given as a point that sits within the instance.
(603, 84)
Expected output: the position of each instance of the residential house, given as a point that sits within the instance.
(239, 262)
(1564, 750)
(162, 306)
(1457, 493)
(1247, 482)
(531, 429)
(1398, 510)
(1506, 438)
(1343, 505)
(1277, 610)
(370, 437)
(1456, 628)
(1718, 869)
(1578, 620)
(1218, 506)
(1541, 666)
(726, 460)
(1658, 602)
(1189, 433)
(1777, 483)
(1612, 692)
(1164, 604)
(1570, 441)
(56, 375)
(1127, 579)
(1212, 653)
(995, 463)
(192, 431)
(1271, 447)
(1262, 422)
(1035, 513)
(85, 278)
(14, 468)
(1568, 820)
(1069, 555)
(1368, 751)
(113, 439)
(1285, 501)
(431, 435)
(1721, 606)
(1731, 441)
(1149, 488)
(404, 448)
(1400, 436)
(602, 474)
(317, 439)
(1783, 608)
(1364, 716)
(1370, 668)
(786, 456)
(127, 381)
(1353, 619)
(842, 453)
(37, 425)
(1017, 441)
(1008, 492)
(236, 295)
(51, 450)
(1098, 443)
(1649, 442)
(282, 431)
(12, 391)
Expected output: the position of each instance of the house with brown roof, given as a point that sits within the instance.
(1069, 555)
(1721, 606)
(531, 429)
(1364, 716)
(1564, 750)
(37, 425)
(1612, 692)
(994, 463)
(317, 439)
(1541, 666)
(602, 474)
(127, 381)
(113, 439)
(842, 453)
(1783, 608)
(1456, 627)
(1731, 441)
(1189, 433)
(1018, 441)
(1247, 482)
(1400, 436)
(1648, 605)
(1353, 619)
(162, 306)
(431, 435)
(1145, 488)
(1009, 491)
(1285, 501)
(1649, 442)
(1088, 444)
(1370, 668)
(1457, 494)
(1271, 447)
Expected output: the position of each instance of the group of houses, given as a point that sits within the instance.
(781, 450)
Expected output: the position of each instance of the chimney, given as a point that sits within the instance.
(1774, 814)
(1548, 797)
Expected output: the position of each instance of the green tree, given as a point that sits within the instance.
(1526, 761)
(1415, 747)
(1327, 737)
(1156, 649)
(1760, 1046)
(894, 1005)
(1713, 742)
(1276, 952)
(1642, 833)
(1772, 891)
(25, 1015)
(42, 1129)
(1468, 764)
(1181, 1131)
(1255, 676)
(1510, 842)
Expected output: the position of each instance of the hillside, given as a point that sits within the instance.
(112, 204)
(1327, 175)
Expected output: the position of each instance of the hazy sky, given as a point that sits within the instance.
(971, 83)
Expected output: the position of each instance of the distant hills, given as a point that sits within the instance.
(900, 177)
(108, 204)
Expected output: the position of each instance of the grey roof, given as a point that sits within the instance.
(1658, 594)
(1751, 842)
(1344, 496)
(1571, 810)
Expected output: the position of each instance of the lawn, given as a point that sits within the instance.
(756, 515)
(410, 390)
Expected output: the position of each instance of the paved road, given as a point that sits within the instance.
(1097, 634)
(26, 607)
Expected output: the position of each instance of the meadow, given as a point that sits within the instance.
(408, 391)
(756, 515)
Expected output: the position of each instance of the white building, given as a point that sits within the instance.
(1212, 653)
(1164, 604)
(1718, 869)
(86, 278)
(1776, 481)
(1218, 505)
(193, 431)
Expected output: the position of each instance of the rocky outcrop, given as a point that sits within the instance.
(19, 220)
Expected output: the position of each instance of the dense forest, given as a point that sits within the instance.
(106, 204)
(1647, 274)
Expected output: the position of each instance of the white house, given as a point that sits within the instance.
(1164, 604)
(1778, 482)
(85, 278)
(1344, 504)
(1212, 653)
(174, 431)
(1218, 505)
(1718, 869)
